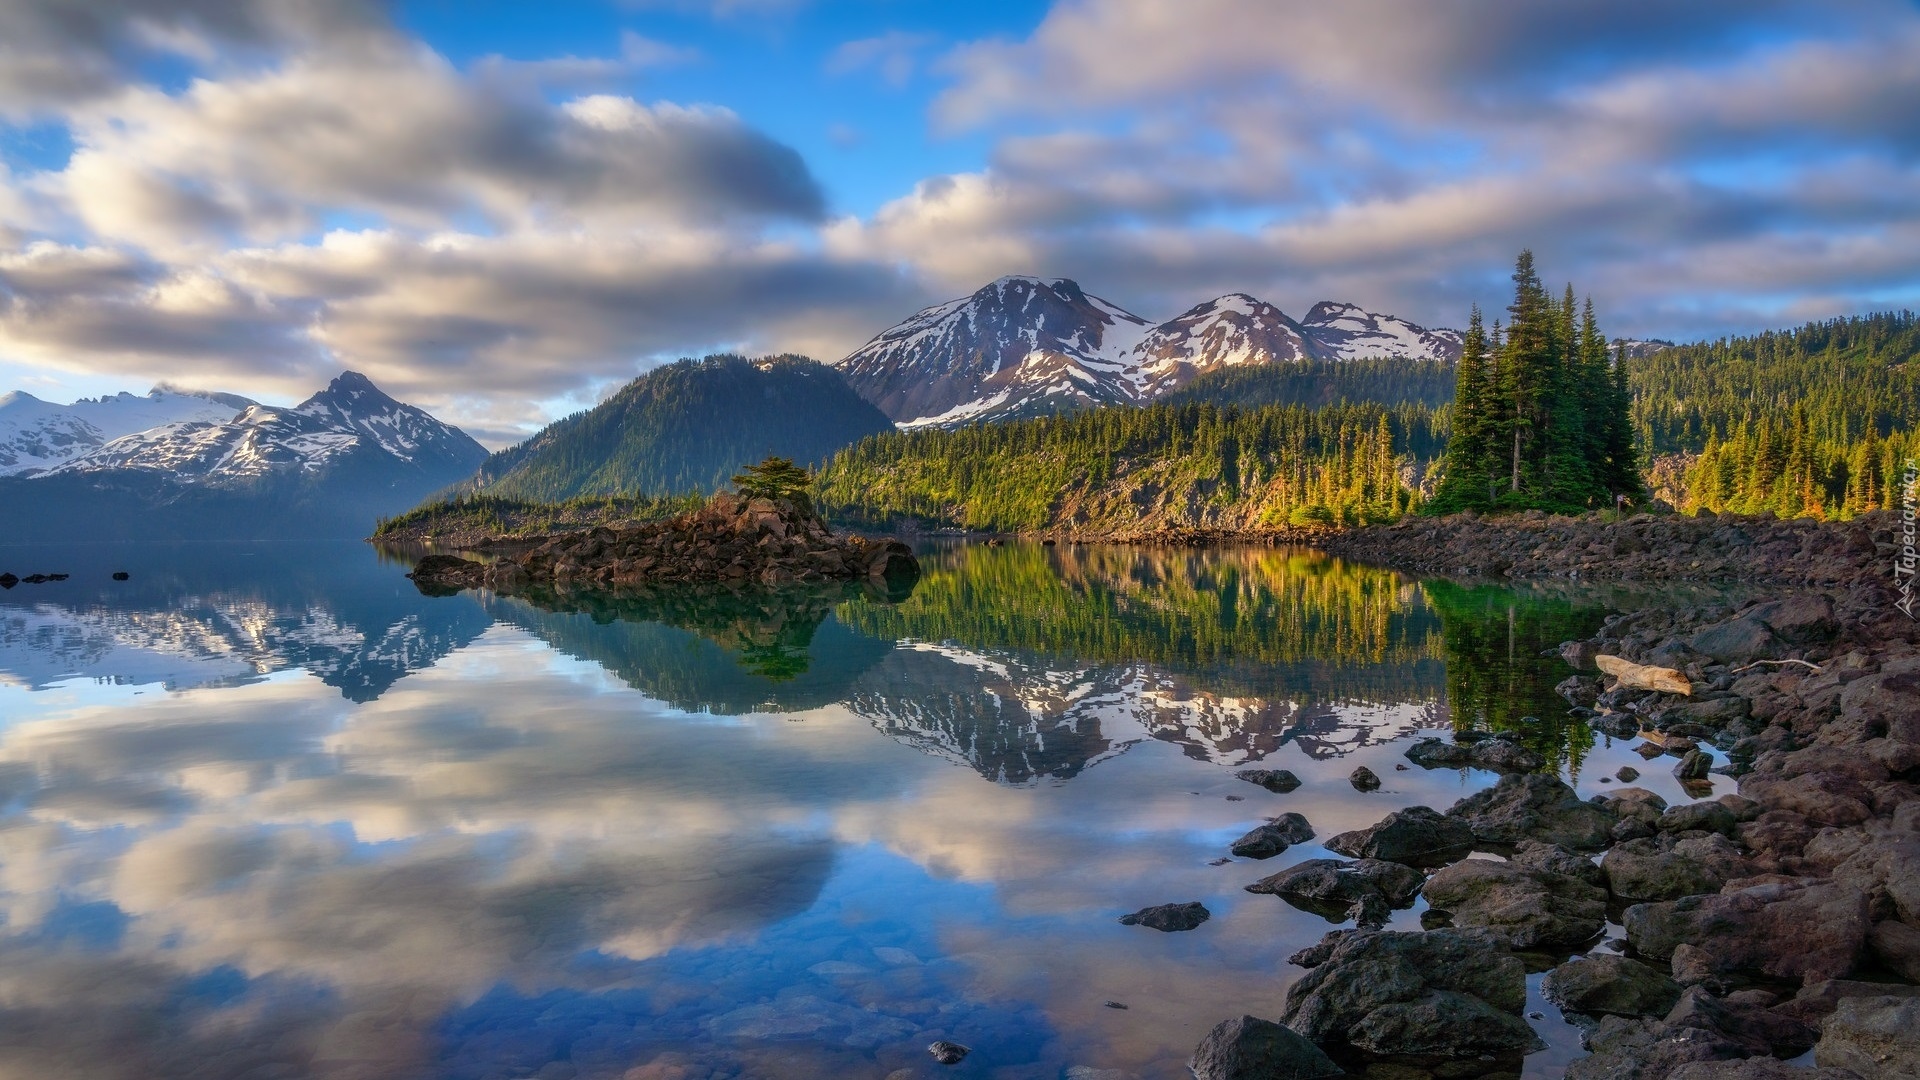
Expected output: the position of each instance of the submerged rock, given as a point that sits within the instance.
(1278, 781)
(948, 1053)
(1331, 888)
(1417, 836)
(1495, 754)
(1266, 841)
(1250, 1048)
(1364, 779)
(1168, 918)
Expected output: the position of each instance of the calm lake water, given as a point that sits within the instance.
(266, 811)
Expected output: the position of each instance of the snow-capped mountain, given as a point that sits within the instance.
(1016, 347)
(1023, 346)
(1346, 332)
(329, 466)
(1233, 330)
(37, 435)
(350, 417)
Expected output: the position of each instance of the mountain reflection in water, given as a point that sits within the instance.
(269, 812)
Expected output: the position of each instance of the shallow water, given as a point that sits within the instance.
(265, 811)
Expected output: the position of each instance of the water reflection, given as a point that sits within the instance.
(584, 836)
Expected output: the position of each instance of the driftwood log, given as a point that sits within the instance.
(1644, 676)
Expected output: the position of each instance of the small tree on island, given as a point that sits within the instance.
(776, 478)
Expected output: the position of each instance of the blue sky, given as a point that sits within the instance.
(499, 210)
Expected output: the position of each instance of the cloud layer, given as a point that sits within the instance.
(325, 190)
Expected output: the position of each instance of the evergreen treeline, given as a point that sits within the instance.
(1816, 421)
(1540, 412)
(1387, 380)
(1187, 464)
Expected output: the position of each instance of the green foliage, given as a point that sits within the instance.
(1314, 383)
(1817, 421)
(1540, 412)
(1190, 464)
(684, 428)
(774, 478)
(500, 516)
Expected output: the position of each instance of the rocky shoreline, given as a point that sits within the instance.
(1753, 927)
(730, 540)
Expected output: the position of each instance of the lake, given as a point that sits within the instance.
(269, 812)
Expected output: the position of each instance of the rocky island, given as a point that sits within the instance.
(732, 539)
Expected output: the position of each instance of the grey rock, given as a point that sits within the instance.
(1778, 930)
(1668, 867)
(1699, 817)
(1331, 887)
(1417, 836)
(1877, 1037)
(1250, 1048)
(1756, 1068)
(1266, 841)
(1497, 755)
(1278, 781)
(1445, 993)
(1363, 779)
(1613, 985)
(1535, 807)
(1522, 906)
(948, 1053)
(1695, 765)
(1737, 641)
(1897, 946)
(1169, 918)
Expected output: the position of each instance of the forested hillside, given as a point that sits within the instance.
(1130, 470)
(1387, 380)
(686, 427)
(1817, 420)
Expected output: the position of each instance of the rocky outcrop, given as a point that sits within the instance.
(1502, 753)
(1534, 807)
(1611, 985)
(1876, 1037)
(1416, 836)
(1446, 994)
(730, 540)
(1544, 897)
(1647, 547)
(1798, 930)
(1249, 1048)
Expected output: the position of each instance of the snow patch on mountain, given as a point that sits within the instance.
(1348, 332)
(37, 436)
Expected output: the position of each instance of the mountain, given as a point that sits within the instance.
(1024, 346)
(327, 467)
(37, 435)
(687, 427)
(1345, 332)
(1016, 347)
(1233, 331)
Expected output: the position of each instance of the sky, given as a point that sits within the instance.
(499, 211)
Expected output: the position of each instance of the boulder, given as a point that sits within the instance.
(1889, 865)
(1897, 946)
(1417, 836)
(1168, 918)
(1699, 817)
(1877, 1037)
(1278, 781)
(1364, 779)
(1266, 841)
(1776, 930)
(1534, 807)
(1668, 867)
(1694, 765)
(1611, 985)
(948, 1053)
(1496, 754)
(1816, 1001)
(1525, 903)
(1737, 641)
(1439, 993)
(1756, 1068)
(1250, 1048)
(1330, 887)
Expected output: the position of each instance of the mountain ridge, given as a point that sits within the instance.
(1022, 346)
